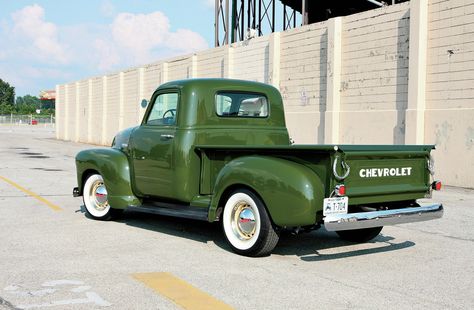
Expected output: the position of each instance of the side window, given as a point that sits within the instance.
(163, 111)
(230, 104)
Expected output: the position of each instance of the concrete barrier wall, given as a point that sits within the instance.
(95, 125)
(211, 63)
(83, 111)
(60, 112)
(131, 112)
(374, 79)
(303, 70)
(70, 112)
(250, 61)
(112, 107)
(180, 68)
(401, 74)
(152, 79)
(449, 114)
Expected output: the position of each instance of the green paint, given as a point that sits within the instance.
(197, 159)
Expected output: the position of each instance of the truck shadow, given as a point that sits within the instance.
(179, 227)
(319, 245)
(200, 231)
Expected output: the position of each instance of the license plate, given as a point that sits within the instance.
(336, 205)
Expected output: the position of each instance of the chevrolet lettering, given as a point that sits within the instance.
(218, 150)
(385, 172)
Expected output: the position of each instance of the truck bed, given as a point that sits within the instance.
(378, 173)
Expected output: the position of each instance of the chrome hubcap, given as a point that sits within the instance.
(243, 221)
(99, 193)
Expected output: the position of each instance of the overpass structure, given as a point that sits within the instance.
(237, 20)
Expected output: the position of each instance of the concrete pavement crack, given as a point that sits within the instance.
(439, 234)
(7, 304)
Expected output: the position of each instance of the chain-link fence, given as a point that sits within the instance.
(32, 119)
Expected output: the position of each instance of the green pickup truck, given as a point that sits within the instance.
(219, 150)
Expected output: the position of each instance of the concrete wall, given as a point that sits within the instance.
(449, 113)
(401, 74)
(212, 63)
(303, 71)
(374, 79)
(95, 125)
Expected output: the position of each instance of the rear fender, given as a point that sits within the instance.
(113, 165)
(291, 192)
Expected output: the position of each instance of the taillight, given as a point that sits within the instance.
(340, 190)
(436, 185)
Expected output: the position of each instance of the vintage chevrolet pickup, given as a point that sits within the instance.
(219, 150)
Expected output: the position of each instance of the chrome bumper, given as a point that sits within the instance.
(425, 212)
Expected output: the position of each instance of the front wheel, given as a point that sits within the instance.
(247, 226)
(95, 199)
(359, 235)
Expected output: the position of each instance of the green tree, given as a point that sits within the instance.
(27, 104)
(6, 108)
(7, 93)
(28, 100)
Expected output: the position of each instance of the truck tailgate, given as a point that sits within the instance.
(387, 175)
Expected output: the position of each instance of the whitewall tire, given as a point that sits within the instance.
(246, 224)
(96, 199)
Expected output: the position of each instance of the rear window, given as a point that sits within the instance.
(230, 104)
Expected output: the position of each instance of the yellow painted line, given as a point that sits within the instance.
(180, 291)
(36, 196)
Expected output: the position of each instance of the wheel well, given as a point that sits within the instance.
(225, 195)
(85, 175)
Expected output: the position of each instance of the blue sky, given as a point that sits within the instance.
(44, 43)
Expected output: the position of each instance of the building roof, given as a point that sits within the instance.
(47, 95)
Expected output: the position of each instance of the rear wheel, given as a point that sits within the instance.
(247, 226)
(96, 200)
(360, 235)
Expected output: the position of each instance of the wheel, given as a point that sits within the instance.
(360, 235)
(247, 226)
(95, 199)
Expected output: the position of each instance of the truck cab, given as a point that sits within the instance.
(188, 113)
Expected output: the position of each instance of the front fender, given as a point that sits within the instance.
(114, 167)
(291, 192)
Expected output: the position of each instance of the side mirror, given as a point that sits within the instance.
(144, 103)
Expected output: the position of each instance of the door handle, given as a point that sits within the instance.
(140, 158)
(167, 137)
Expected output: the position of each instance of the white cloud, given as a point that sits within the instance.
(144, 38)
(107, 8)
(108, 56)
(139, 33)
(186, 41)
(43, 72)
(30, 79)
(30, 26)
(131, 39)
(37, 54)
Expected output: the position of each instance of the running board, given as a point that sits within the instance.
(187, 212)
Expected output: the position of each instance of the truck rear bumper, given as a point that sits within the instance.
(424, 212)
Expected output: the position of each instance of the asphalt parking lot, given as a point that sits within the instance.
(52, 256)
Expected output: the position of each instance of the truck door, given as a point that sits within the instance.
(152, 147)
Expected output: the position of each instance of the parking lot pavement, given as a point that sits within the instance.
(53, 256)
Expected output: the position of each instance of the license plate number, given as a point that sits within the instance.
(335, 205)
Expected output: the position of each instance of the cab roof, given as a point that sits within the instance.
(221, 83)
